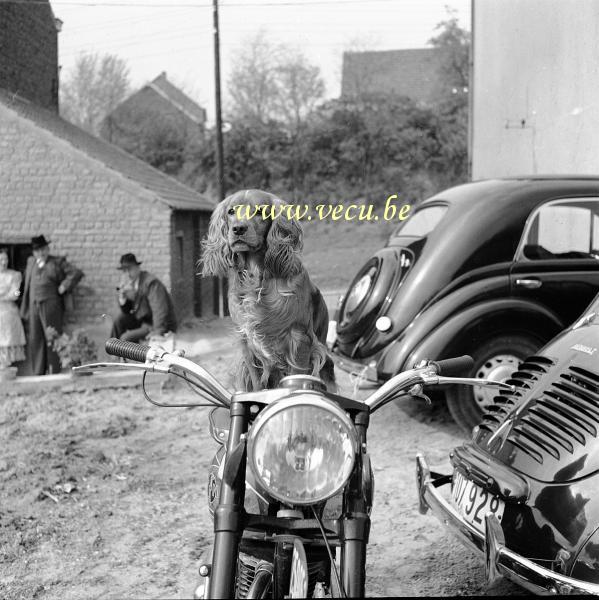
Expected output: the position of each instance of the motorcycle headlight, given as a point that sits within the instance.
(302, 449)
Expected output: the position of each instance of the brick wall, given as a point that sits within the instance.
(28, 52)
(415, 73)
(90, 213)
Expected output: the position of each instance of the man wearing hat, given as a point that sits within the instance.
(146, 306)
(47, 279)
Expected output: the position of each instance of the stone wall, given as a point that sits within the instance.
(90, 213)
(28, 52)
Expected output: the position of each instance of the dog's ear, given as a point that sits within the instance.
(217, 257)
(284, 243)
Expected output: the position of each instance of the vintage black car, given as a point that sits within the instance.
(525, 490)
(493, 269)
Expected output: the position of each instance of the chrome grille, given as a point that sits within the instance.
(527, 374)
(564, 417)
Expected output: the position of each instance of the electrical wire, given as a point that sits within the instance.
(196, 5)
(162, 405)
(191, 384)
(328, 547)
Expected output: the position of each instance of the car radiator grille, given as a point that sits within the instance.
(527, 374)
(565, 415)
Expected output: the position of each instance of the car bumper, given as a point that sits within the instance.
(366, 372)
(499, 560)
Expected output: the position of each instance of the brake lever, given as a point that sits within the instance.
(432, 379)
(417, 391)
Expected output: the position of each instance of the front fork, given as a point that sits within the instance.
(228, 515)
(355, 526)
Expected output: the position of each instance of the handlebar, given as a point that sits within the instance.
(453, 367)
(411, 381)
(128, 350)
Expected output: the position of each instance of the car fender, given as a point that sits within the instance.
(436, 339)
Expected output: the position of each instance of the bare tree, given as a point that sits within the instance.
(272, 81)
(252, 85)
(299, 87)
(357, 74)
(92, 89)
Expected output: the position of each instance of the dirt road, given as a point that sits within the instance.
(104, 495)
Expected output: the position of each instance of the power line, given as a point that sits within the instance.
(194, 5)
(177, 34)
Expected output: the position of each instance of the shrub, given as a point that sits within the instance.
(74, 349)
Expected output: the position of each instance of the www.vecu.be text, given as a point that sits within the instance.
(320, 212)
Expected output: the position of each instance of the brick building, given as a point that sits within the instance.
(29, 52)
(91, 199)
(415, 73)
(158, 105)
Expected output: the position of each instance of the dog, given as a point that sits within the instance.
(280, 315)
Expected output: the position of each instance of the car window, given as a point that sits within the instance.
(422, 222)
(563, 229)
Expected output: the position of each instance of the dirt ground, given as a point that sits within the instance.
(104, 495)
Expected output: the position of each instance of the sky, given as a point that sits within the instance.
(176, 36)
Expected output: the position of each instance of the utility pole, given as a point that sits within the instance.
(220, 171)
(219, 125)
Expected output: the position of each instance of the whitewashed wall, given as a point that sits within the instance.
(535, 87)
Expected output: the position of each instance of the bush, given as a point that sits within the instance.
(73, 350)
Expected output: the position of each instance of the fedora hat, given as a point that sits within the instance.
(39, 241)
(128, 260)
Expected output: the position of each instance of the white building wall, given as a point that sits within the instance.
(535, 87)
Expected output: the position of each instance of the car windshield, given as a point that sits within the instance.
(422, 222)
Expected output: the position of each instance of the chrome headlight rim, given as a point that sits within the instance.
(294, 400)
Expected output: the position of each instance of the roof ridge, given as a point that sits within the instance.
(169, 190)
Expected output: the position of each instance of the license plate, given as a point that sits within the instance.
(474, 502)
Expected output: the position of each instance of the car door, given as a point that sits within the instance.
(557, 261)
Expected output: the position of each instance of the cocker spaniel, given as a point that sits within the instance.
(279, 313)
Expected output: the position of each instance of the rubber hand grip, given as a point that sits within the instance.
(128, 350)
(454, 367)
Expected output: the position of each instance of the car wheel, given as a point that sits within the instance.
(496, 359)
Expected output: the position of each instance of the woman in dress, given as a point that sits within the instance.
(12, 335)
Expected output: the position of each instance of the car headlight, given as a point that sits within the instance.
(302, 448)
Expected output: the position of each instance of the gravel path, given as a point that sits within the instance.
(104, 495)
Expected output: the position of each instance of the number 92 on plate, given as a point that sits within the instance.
(474, 502)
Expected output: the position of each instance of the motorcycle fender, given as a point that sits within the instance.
(442, 337)
(438, 342)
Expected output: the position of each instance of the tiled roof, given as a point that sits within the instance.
(183, 102)
(414, 73)
(170, 191)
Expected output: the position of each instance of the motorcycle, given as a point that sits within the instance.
(291, 486)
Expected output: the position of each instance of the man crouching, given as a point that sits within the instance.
(146, 306)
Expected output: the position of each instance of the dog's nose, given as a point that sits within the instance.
(240, 229)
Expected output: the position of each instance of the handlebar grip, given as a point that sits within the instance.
(454, 367)
(128, 350)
